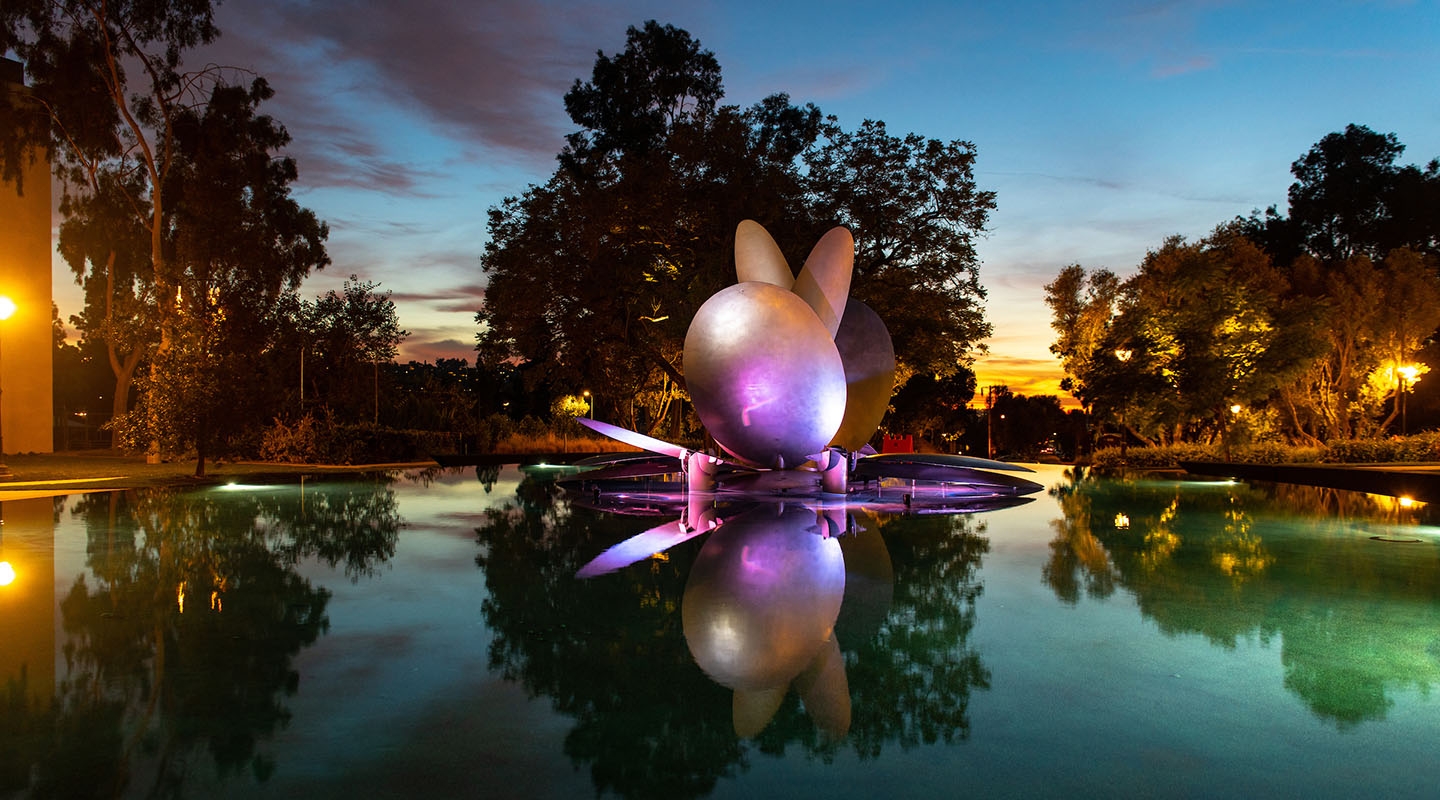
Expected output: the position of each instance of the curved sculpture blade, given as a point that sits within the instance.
(949, 459)
(869, 359)
(630, 437)
(758, 258)
(997, 482)
(824, 281)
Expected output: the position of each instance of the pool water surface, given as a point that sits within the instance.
(425, 633)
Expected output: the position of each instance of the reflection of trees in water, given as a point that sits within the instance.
(610, 652)
(182, 643)
(910, 682)
(1355, 617)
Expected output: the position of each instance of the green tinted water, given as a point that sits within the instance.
(424, 634)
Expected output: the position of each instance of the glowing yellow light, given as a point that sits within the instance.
(7, 307)
(7, 573)
(180, 597)
(1121, 521)
(1407, 502)
(1235, 409)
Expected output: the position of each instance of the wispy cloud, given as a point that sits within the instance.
(1193, 64)
(1161, 34)
(371, 89)
(432, 350)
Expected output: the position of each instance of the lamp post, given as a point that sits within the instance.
(1123, 356)
(7, 307)
(1407, 376)
(589, 403)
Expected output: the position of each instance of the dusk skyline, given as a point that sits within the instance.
(1103, 128)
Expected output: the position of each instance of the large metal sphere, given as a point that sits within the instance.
(764, 374)
(762, 598)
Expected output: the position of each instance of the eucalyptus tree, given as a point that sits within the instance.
(239, 244)
(112, 135)
(107, 247)
(176, 200)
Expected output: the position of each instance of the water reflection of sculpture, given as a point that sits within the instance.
(759, 614)
(1353, 618)
(615, 655)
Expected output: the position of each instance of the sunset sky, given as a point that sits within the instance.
(1103, 127)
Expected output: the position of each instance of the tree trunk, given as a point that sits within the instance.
(201, 439)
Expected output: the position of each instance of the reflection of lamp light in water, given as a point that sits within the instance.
(7, 573)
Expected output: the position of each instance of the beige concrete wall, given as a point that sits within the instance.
(26, 346)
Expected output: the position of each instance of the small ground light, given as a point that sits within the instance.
(1121, 521)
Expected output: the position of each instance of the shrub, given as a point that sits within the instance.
(322, 441)
(1420, 447)
(290, 444)
(1108, 461)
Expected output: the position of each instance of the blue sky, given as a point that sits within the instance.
(1103, 127)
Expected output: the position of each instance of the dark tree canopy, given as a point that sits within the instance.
(593, 277)
(1352, 198)
(632, 101)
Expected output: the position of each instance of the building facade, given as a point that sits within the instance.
(26, 338)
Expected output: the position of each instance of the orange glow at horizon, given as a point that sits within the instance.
(1028, 376)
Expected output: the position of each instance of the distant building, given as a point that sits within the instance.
(26, 344)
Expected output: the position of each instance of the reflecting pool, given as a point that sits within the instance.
(426, 634)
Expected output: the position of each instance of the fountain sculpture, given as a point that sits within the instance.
(791, 378)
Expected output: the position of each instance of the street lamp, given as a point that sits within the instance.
(1123, 355)
(7, 307)
(589, 404)
(1407, 374)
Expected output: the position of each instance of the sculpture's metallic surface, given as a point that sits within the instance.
(792, 378)
(764, 375)
(758, 258)
(762, 363)
(869, 359)
(824, 283)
